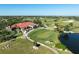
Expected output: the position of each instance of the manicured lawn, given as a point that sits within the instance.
(22, 46)
(43, 35)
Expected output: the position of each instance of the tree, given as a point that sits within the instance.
(71, 24)
(6, 35)
(38, 21)
(68, 27)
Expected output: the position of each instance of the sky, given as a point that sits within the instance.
(39, 9)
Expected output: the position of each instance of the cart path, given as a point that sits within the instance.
(26, 35)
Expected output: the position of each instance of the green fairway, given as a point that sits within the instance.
(43, 35)
(22, 46)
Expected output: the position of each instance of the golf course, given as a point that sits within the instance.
(35, 35)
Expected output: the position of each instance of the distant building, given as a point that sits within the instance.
(8, 28)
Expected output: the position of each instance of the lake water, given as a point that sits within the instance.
(71, 41)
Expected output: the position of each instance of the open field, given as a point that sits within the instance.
(47, 37)
(42, 35)
(22, 46)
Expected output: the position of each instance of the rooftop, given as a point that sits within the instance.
(22, 25)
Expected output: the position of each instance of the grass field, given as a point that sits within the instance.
(22, 46)
(43, 35)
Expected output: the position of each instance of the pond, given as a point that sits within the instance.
(71, 41)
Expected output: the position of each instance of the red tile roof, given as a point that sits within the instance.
(22, 25)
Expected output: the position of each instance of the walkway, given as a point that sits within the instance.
(26, 35)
